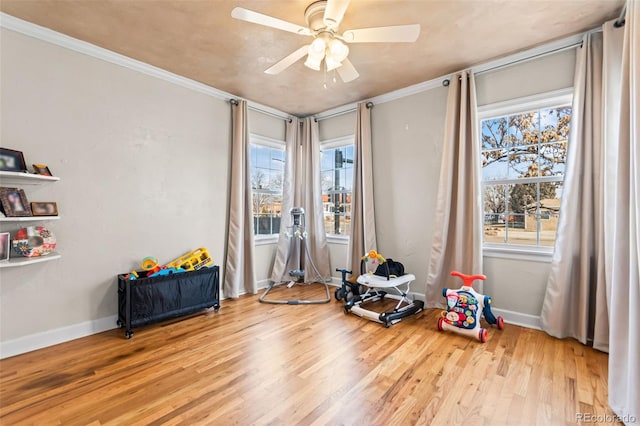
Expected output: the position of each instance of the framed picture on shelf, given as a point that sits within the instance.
(5, 241)
(48, 208)
(14, 202)
(12, 161)
(42, 169)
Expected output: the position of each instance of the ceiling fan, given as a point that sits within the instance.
(323, 19)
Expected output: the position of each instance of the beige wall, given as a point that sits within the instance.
(144, 170)
(544, 74)
(407, 147)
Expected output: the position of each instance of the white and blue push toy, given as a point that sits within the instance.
(465, 307)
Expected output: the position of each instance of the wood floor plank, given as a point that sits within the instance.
(258, 364)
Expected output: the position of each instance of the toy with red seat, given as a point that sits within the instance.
(465, 307)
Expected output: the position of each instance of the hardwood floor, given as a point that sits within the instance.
(254, 363)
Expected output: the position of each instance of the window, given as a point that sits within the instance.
(336, 172)
(267, 173)
(523, 165)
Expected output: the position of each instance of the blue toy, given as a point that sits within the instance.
(167, 271)
(465, 307)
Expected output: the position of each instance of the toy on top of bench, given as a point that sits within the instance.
(465, 308)
(192, 261)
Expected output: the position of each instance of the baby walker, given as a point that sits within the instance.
(374, 292)
(465, 307)
(298, 248)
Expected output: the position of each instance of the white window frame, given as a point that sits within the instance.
(333, 144)
(262, 239)
(516, 106)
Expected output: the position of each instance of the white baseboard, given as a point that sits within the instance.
(64, 334)
(517, 318)
(53, 337)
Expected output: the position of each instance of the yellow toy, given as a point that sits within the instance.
(192, 261)
(371, 259)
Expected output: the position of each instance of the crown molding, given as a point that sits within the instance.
(53, 37)
(27, 28)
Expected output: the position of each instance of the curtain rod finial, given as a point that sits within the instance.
(369, 105)
(233, 101)
(446, 82)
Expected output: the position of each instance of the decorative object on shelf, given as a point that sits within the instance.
(5, 239)
(48, 208)
(14, 202)
(34, 241)
(12, 160)
(41, 169)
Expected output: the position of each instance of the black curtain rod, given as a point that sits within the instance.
(369, 105)
(234, 102)
(621, 21)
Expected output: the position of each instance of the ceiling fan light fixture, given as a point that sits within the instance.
(338, 50)
(317, 48)
(313, 62)
(332, 63)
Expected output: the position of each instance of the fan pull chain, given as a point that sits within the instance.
(324, 72)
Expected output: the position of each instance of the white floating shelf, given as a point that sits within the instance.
(24, 261)
(28, 219)
(12, 179)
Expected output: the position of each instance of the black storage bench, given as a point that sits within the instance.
(147, 300)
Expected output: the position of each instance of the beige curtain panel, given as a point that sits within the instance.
(292, 170)
(577, 266)
(594, 283)
(457, 242)
(302, 188)
(363, 222)
(239, 275)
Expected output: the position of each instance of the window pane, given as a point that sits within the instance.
(523, 198)
(524, 129)
(495, 133)
(337, 181)
(495, 197)
(552, 159)
(554, 124)
(550, 196)
(523, 162)
(266, 181)
(495, 164)
(495, 202)
(548, 228)
(522, 229)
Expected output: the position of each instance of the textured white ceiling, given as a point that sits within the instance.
(199, 39)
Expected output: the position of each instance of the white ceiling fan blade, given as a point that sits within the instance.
(268, 21)
(394, 34)
(347, 71)
(288, 61)
(334, 12)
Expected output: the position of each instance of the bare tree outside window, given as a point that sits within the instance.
(523, 166)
